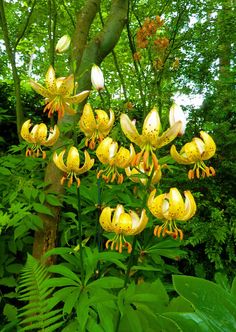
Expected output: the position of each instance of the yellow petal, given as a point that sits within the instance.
(53, 136)
(177, 114)
(65, 85)
(118, 211)
(124, 224)
(130, 130)
(87, 121)
(50, 80)
(190, 206)
(176, 204)
(25, 134)
(210, 146)
(41, 133)
(168, 136)
(192, 151)
(104, 123)
(122, 157)
(78, 98)
(138, 224)
(88, 163)
(58, 160)
(40, 89)
(151, 127)
(155, 204)
(105, 219)
(105, 151)
(180, 159)
(73, 159)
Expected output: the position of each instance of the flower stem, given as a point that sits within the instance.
(80, 235)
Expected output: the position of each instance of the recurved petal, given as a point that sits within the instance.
(78, 98)
(210, 146)
(53, 136)
(176, 204)
(192, 151)
(104, 124)
(122, 157)
(59, 162)
(155, 204)
(25, 134)
(105, 219)
(180, 159)
(177, 114)
(130, 130)
(103, 150)
(50, 79)
(88, 163)
(190, 206)
(87, 121)
(65, 85)
(40, 89)
(138, 224)
(168, 136)
(151, 126)
(124, 224)
(73, 159)
(41, 133)
(118, 211)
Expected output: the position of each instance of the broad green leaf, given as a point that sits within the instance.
(63, 270)
(107, 282)
(53, 200)
(10, 311)
(42, 209)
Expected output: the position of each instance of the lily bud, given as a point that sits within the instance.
(97, 78)
(176, 114)
(63, 44)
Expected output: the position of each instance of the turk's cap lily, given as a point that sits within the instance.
(176, 114)
(38, 136)
(97, 78)
(122, 223)
(108, 152)
(139, 175)
(171, 207)
(72, 166)
(57, 93)
(195, 152)
(63, 44)
(95, 127)
(150, 131)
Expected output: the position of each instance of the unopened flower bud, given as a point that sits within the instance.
(176, 114)
(97, 78)
(63, 44)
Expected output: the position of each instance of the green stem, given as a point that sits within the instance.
(80, 235)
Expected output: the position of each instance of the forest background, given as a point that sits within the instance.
(189, 58)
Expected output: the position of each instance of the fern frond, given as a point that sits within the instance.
(38, 313)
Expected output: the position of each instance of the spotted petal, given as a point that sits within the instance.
(168, 136)
(50, 80)
(87, 121)
(105, 219)
(73, 160)
(130, 130)
(176, 205)
(138, 224)
(78, 98)
(88, 163)
(190, 207)
(59, 162)
(155, 204)
(25, 134)
(41, 133)
(180, 159)
(210, 146)
(53, 136)
(151, 127)
(40, 89)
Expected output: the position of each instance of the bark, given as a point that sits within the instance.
(85, 54)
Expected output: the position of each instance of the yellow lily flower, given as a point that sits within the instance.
(142, 176)
(149, 140)
(195, 152)
(72, 167)
(95, 128)
(122, 224)
(109, 154)
(57, 93)
(38, 137)
(170, 208)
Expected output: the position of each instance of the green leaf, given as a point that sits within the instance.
(107, 282)
(4, 171)
(213, 305)
(63, 270)
(42, 209)
(8, 281)
(53, 200)
(10, 312)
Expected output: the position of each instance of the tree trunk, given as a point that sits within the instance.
(85, 54)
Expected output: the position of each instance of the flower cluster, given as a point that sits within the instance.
(143, 167)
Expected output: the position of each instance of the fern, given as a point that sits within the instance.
(38, 313)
